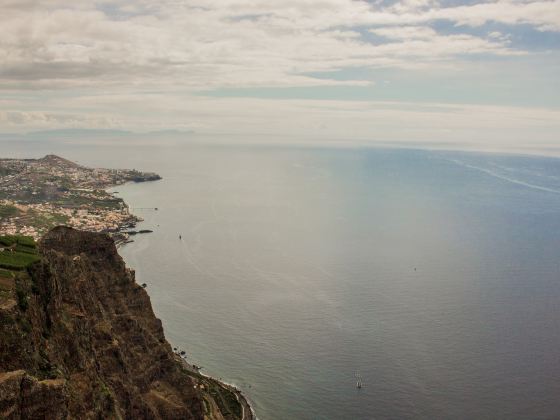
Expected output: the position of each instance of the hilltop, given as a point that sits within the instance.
(54, 160)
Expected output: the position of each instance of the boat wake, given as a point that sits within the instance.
(505, 178)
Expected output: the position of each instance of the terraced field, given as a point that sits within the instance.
(16, 254)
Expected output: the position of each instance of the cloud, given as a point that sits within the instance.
(405, 32)
(544, 15)
(15, 120)
(139, 64)
(241, 43)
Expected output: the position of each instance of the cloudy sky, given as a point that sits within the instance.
(456, 72)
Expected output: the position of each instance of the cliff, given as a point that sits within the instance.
(79, 340)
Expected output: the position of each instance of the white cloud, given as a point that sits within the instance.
(405, 32)
(241, 43)
(544, 15)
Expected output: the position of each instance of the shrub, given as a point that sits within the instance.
(22, 299)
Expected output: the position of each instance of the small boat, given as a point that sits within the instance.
(358, 381)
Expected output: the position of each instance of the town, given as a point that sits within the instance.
(39, 194)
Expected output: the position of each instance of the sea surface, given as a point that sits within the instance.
(434, 276)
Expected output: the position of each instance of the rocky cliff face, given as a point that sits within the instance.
(79, 339)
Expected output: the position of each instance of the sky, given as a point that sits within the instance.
(455, 73)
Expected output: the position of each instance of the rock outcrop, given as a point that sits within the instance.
(80, 340)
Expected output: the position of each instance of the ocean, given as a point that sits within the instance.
(433, 276)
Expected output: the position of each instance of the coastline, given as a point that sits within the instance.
(52, 197)
(121, 238)
(36, 195)
(247, 412)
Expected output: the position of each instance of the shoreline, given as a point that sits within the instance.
(121, 238)
(247, 412)
(246, 409)
(121, 235)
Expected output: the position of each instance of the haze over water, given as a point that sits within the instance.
(434, 274)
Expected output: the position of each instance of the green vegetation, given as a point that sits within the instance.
(18, 254)
(22, 298)
(226, 400)
(8, 211)
(16, 260)
(8, 240)
(6, 283)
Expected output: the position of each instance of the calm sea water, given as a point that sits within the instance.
(434, 275)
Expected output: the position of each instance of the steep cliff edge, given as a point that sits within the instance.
(79, 339)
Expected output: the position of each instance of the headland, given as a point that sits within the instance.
(39, 194)
(78, 336)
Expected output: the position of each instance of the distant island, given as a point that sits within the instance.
(39, 194)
